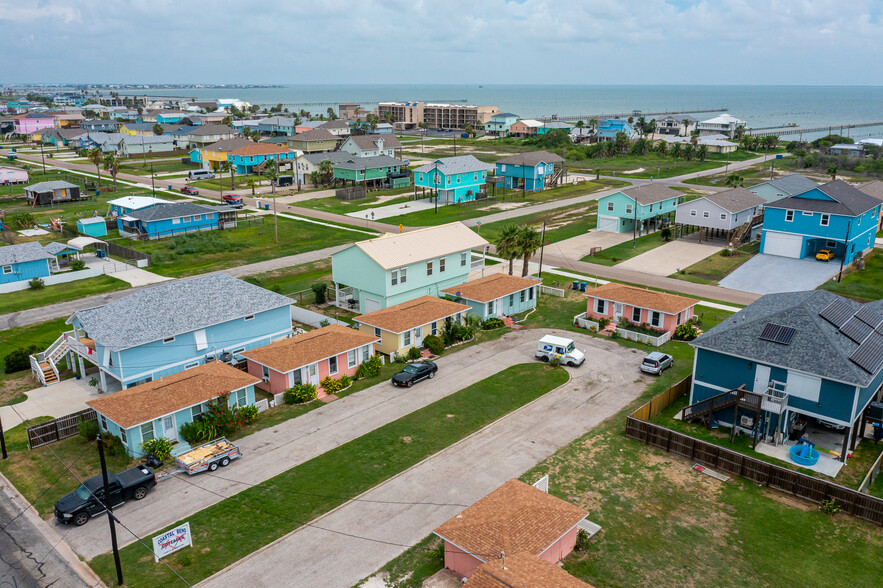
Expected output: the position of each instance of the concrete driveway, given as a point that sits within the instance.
(770, 274)
(57, 400)
(458, 475)
(381, 212)
(579, 247)
(277, 449)
(667, 259)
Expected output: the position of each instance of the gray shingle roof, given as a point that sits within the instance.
(229, 144)
(171, 210)
(462, 164)
(147, 140)
(333, 156)
(531, 158)
(54, 247)
(22, 253)
(504, 115)
(365, 142)
(736, 200)
(203, 130)
(873, 189)
(793, 184)
(373, 162)
(848, 201)
(335, 124)
(314, 135)
(49, 186)
(651, 194)
(817, 348)
(173, 308)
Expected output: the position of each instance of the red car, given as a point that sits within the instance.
(233, 200)
(189, 190)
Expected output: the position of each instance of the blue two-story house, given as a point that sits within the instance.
(167, 328)
(24, 261)
(803, 355)
(453, 179)
(832, 216)
(609, 127)
(398, 267)
(528, 171)
(173, 218)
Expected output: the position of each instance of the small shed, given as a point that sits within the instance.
(51, 192)
(94, 226)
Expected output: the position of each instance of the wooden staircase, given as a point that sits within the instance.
(745, 230)
(705, 409)
(49, 376)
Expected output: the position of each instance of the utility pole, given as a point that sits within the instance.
(3, 441)
(41, 155)
(152, 181)
(110, 517)
(435, 181)
(542, 246)
(845, 251)
(635, 225)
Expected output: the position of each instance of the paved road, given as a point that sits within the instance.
(460, 474)
(32, 555)
(275, 450)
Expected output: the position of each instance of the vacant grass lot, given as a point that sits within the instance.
(139, 168)
(862, 285)
(380, 198)
(652, 164)
(25, 299)
(715, 268)
(623, 251)
(561, 223)
(239, 525)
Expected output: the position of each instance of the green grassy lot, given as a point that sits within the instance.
(139, 168)
(14, 385)
(335, 205)
(623, 251)
(25, 299)
(862, 285)
(240, 181)
(714, 268)
(237, 526)
(295, 278)
(755, 174)
(654, 165)
(562, 223)
(213, 250)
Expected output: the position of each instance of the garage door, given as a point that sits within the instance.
(782, 244)
(371, 305)
(608, 223)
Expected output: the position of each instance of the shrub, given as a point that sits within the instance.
(829, 507)
(554, 362)
(665, 233)
(492, 323)
(370, 368)
(300, 394)
(413, 353)
(582, 540)
(726, 253)
(158, 446)
(248, 414)
(37, 284)
(21, 220)
(18, 359)
(686, 332)
(434, 344)
(220, 419)
(192, 432)
(89, 430)
(112, 444)
(332, 386)
(319, 289)
(78, 265)
(456, 333)
(603, 322)
(324, 323)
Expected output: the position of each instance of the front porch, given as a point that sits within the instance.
(75, 348)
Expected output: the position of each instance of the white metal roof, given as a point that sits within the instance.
(553, 340)
(137, 202)
(393, 250)
(81, 242)
(91, 220)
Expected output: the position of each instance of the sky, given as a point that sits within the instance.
(793, 42)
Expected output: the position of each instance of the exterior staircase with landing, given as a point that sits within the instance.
(44, 364)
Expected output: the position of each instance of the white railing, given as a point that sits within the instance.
(775, 398)
(542, 484)
(581, 321)
(37, 371)
(553, 291)
(476, 264)
(654, 340)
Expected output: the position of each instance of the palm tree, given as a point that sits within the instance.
(702, 152)
(95, 157)
(157, 129)
(740, 130)
(331, 115)
(250, 183)
(326, 169)
(832, 171)
(734, 181)
(232, 171)
(507, 244)
(676, 150)
(593, 124)
(662, 148)
(112, 164)
(580, 124)
(686, 122)
(529, 242)
(689, 150)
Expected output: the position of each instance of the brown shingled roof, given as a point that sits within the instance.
(513, 518)
(491, 287)
(411, 314)
(296, 352)
(668, 303)
(145, 402)
(522, 569)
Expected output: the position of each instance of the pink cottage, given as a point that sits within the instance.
(639, 306)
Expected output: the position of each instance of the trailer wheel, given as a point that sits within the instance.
(225, 462)
(213, 466)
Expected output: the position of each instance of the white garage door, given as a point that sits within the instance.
(782, 244)
(608, 223)
(371, 305)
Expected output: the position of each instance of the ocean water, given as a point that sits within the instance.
(760, 106)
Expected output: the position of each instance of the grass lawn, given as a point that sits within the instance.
(755, 174)
(716, 267)
(862, 285)
(25, 299)
(623, 251)
(652, 164)
(240, 181)
(214, 250)
(295, 278)
(561, 223)
(14, 385)
(237, 526)
(140, 169)
(335, 205)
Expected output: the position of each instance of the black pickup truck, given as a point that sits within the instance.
(88, 500)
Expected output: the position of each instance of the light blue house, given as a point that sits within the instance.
(159, 408)
(24, 261)
(554, 125)
(499, 124)
(496, 295)
(398, 267)
(609, 127)
(802, 355)
(832, 216)
(783, 187)
(174, 218)
(530, 171)
(277, 125)
(129, 204)
(93, 226)
(621, 211)
(167, 328)
(455, 179)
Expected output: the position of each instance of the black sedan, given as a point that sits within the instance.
(414, 372)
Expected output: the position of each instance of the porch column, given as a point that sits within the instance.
(846, 436)
(103, 380)
(82, 367)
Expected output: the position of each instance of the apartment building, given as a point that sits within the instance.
(409, 115)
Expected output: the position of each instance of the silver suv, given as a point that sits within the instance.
(656, 363)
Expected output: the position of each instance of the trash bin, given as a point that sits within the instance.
(582, 286)
(98, 192)
(576, 285)
(267, 206)
(170, 186)
(100, 253)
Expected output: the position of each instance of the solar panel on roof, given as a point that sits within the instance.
(869, 355)
(778, 333)
(869, 316)
(856, 330)
(837, 313)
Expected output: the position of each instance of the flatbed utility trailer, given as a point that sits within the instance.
(209, 456)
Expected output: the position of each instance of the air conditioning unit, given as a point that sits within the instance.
(746, 422)
(266, 379)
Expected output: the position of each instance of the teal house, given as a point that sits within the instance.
(94, 226)
(24, 261)
(399, 267)
(500, 124)
(159, 408)
(530, 171)
(380, 171)
(454, 179)
(496, 295)
(644, 205)
(784, 187)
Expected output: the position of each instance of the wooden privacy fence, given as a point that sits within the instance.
(60, 428)
(125, 252)
(855, 503)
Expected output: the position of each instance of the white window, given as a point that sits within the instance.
(366, 352)
(463, 259)
(789, 215)
(351, 358)
(530, 293)
(265, 373)
(601, 306)
(123, 436)
(723, 216)
(332, 365)
(394, 277)
(628, 208)
(433, 328)
(421, 177)
(147, 432)
(195, 411)
(403, 275)
(705, 214)
(692, 213)
(511, 299)
(503, 167)
(825, 219)
(406, 339)
(428, 268)
(655, 318)
(377, 331)
(636, 315)
(490, 307)
(441, 265)
(168, 340)
(241, 398)
(176, 221)
(522, 296)
(610, 207)
(7, 269)
(679, 318)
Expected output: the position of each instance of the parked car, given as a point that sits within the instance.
(88, 500)
(233, 200)
(825, 255)
(656, 363)
(560, 348)
(830, 425)
(414, 372)
(190, 190)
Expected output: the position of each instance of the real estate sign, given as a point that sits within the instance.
(171, 541)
